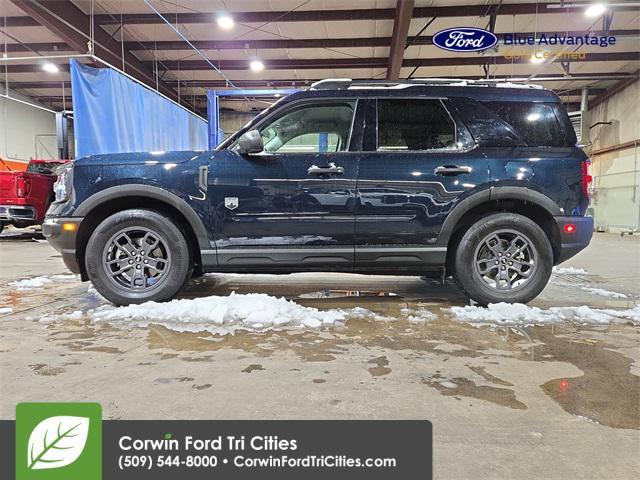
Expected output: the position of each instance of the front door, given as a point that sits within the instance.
(291, 206)
(419, 164)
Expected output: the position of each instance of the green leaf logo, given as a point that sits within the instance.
(57, 442)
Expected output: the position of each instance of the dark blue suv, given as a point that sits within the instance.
(479, 180)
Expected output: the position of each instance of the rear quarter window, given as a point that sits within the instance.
(536, 123)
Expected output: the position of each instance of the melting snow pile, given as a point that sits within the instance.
(39, 282)
(30, 283)
(603, 293)
(224, 314)
(519, 314)
(569, 271)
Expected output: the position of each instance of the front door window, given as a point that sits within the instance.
(311, 128)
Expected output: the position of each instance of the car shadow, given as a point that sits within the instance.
(318, 288)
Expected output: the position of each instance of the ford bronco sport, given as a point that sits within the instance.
(479, 180)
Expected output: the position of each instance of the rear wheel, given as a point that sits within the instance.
(136, 256)
(504, 257)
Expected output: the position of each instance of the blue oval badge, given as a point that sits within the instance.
(464, 39)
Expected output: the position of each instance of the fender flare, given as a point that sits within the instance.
(494, 194)
(151, 192)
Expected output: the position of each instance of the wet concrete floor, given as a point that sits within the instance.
(559, 401)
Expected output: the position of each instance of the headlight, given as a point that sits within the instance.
(62, 186)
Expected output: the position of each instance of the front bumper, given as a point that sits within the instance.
(19, 213)
(574, 242)
(61, 233)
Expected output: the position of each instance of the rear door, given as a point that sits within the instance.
(291, 206)
(420, 162)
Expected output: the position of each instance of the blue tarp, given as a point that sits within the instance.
(113, 114)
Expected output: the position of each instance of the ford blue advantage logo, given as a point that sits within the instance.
(464, 39)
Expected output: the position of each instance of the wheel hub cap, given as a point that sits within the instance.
(137, 259)
(505, 260)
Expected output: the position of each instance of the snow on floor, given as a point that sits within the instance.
(4, 310)
(419, 315)
(41, 281)
(569, 270)
(30, 283)
(217, 314)
(603, 293)
(519, 314)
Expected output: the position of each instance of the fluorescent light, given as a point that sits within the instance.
(225, 21)
(50, 67)
(533, 117)
(595, 10)
(256, 65)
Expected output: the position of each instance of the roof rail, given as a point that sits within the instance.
(347, 83)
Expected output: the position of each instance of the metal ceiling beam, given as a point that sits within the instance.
(30, 68)
(333, 15)
(356, 14)
(71, 25)
(37, 85)
(38, 47)
(401, 22)
(340, 63)
(381, 62)
(283, 43)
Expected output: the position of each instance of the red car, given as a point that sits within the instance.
(26, 195)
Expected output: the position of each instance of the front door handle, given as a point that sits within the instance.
(451, 170)
(330, 169)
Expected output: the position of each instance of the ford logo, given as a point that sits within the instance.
(464, 39)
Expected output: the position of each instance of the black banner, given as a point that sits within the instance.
(241, 449)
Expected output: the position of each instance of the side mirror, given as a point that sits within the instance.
(250, 142)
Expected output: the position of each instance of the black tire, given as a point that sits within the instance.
(2, 225)
(484, 256)
(161, 271)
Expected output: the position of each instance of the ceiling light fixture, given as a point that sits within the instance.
(256, 65)
(50, 67)
(537, 57)
(225, 21)
(595, 10)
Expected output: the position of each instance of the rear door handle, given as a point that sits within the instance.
(452, 170)
(330, 169)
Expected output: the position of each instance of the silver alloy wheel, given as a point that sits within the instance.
(137, 259)
(505, 260)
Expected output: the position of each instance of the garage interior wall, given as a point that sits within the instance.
(26, 132)
(232, 121)
(616, 195)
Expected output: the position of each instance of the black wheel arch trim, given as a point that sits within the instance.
(493, 194)
(147, 191)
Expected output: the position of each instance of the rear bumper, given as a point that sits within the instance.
(61, 234)
(20, 213)
(572, 243)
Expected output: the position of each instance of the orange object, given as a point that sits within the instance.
(12, 165)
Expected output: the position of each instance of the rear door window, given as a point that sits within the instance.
(536, 123)
(414, 125)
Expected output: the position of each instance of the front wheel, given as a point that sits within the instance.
(136, 256)
(504, 257)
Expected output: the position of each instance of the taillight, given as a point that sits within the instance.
(23, 186)
(585, 178)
